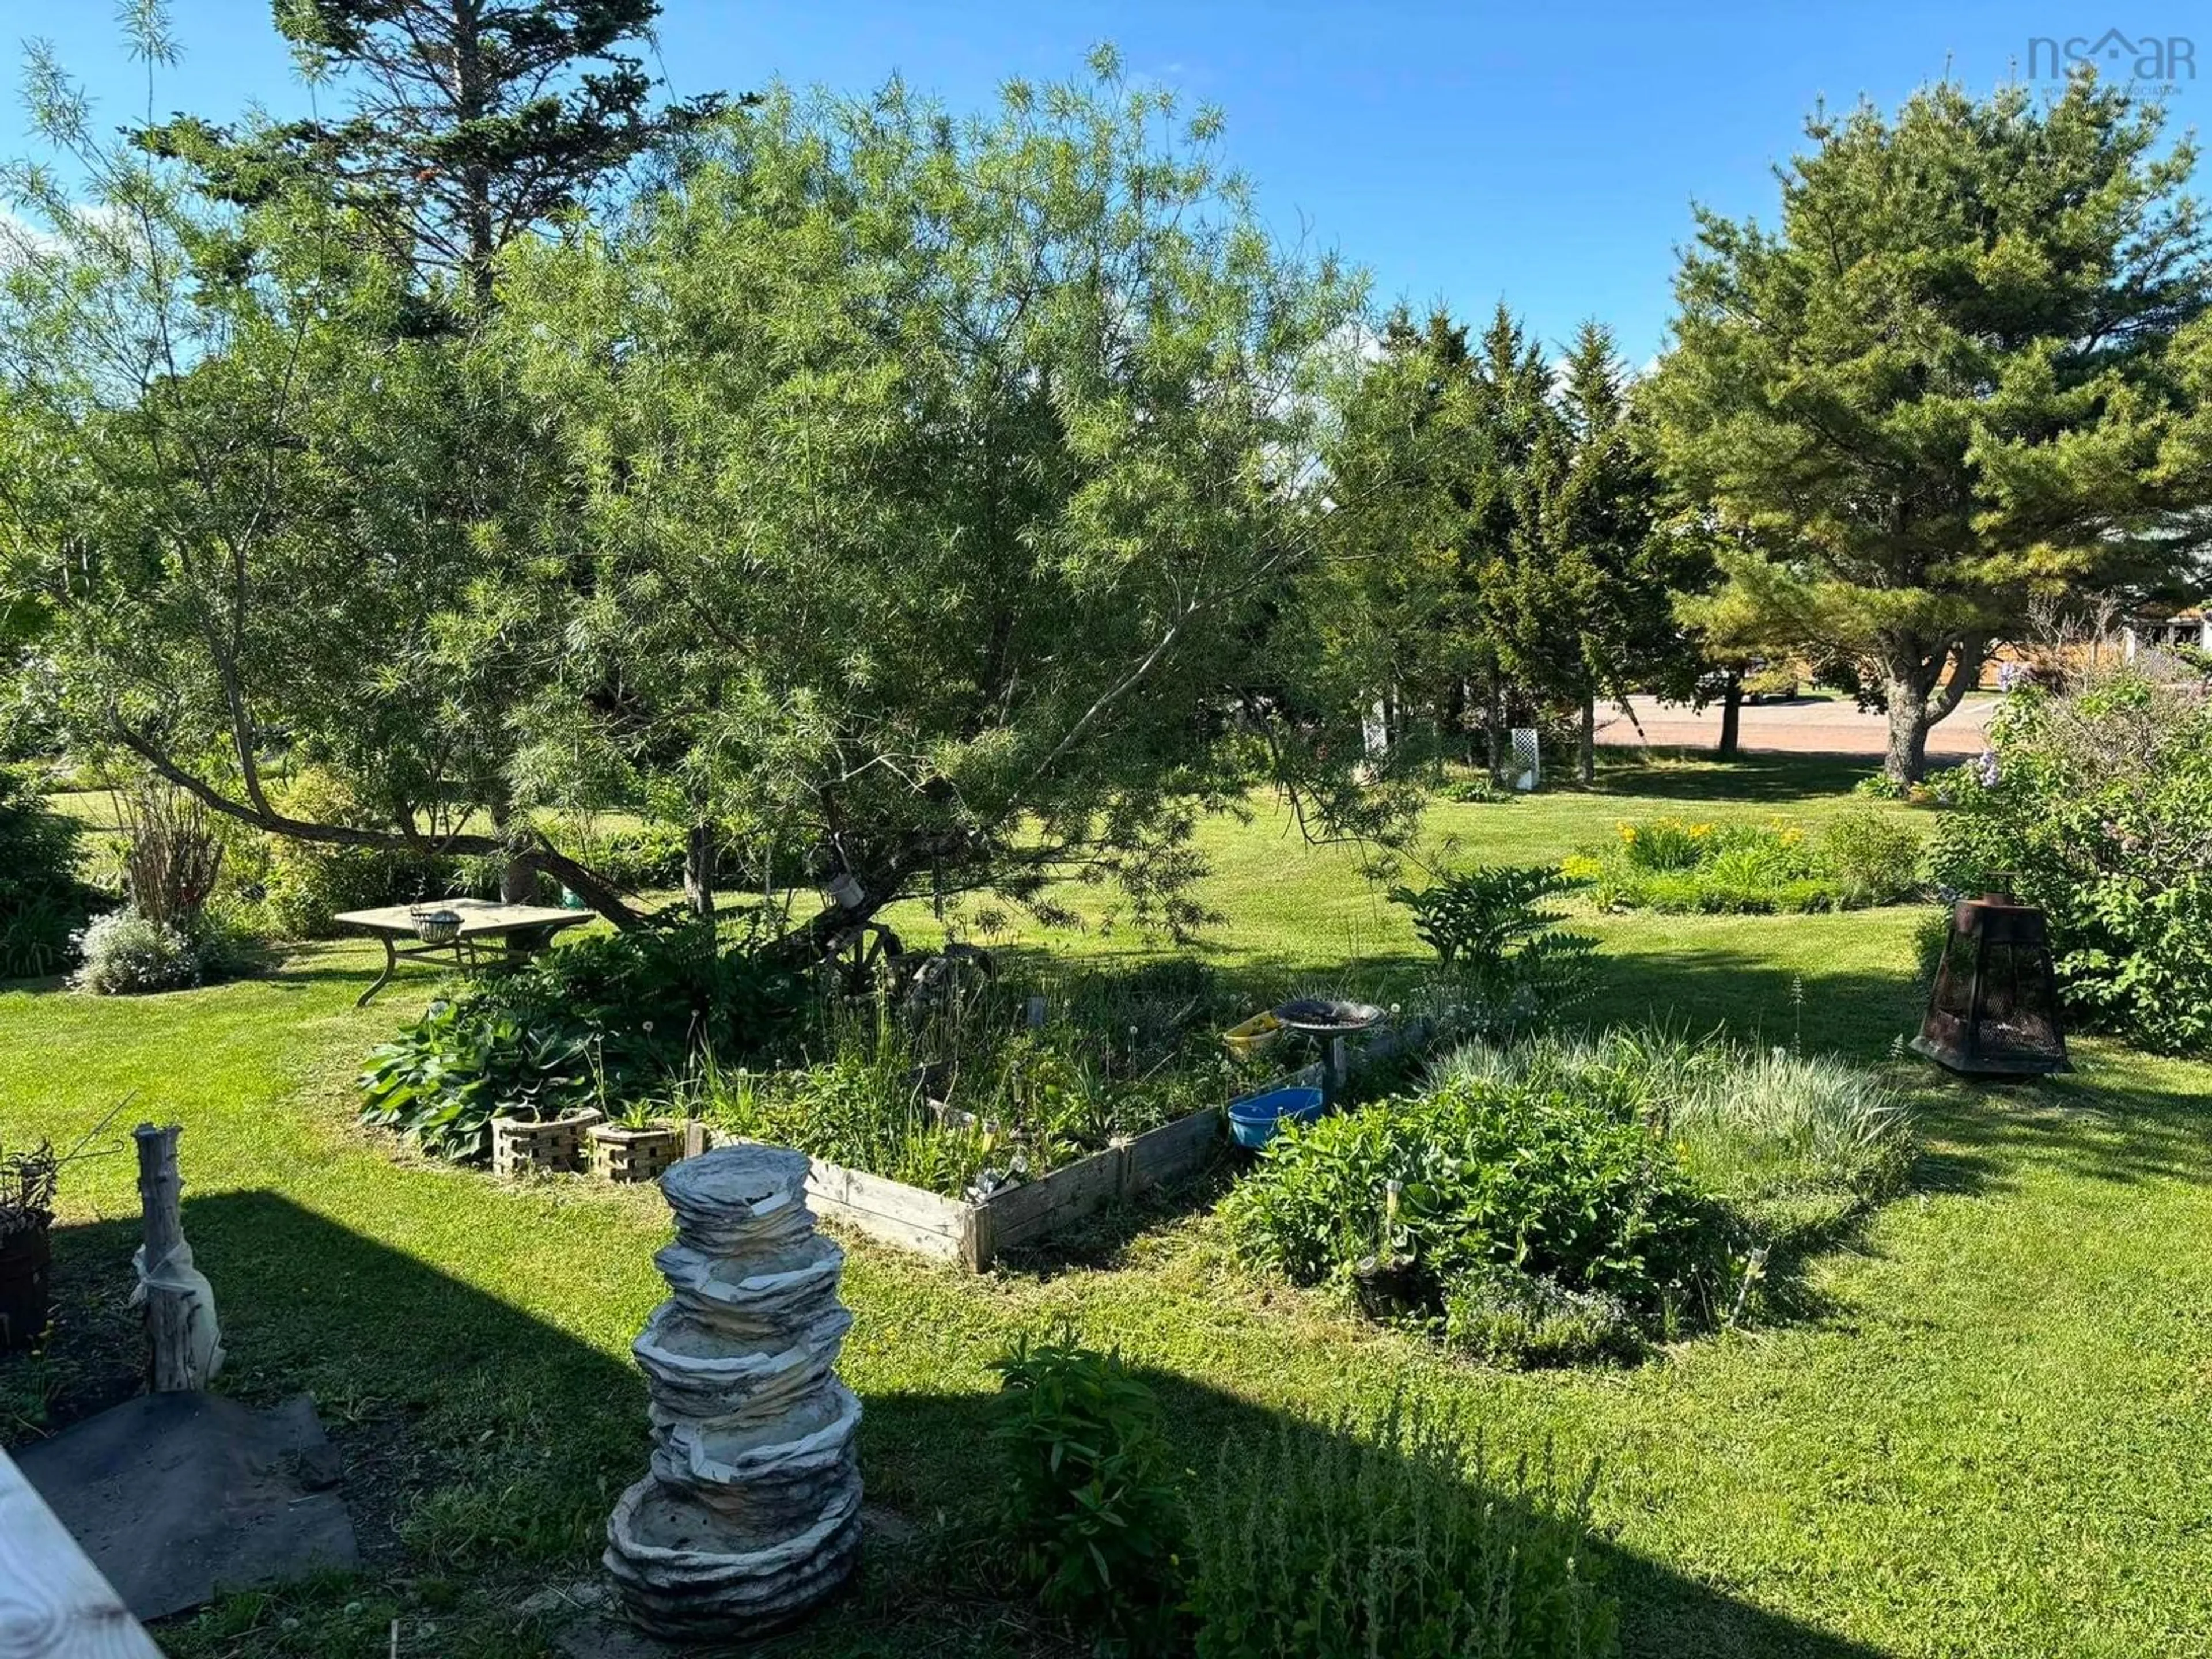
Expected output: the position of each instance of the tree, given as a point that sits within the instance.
(243, 509)
(1580, 599)
(944, 485)
(1516, 551)
(1940, 388)
(1400, 632)
(471, 121)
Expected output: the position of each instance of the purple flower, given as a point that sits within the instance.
(2010, 675)
(1985, 768)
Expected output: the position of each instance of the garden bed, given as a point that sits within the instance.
(973, 1232)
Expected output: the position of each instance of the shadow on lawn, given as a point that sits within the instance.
(1700, 775)
(2079, 1126)
(483, 1448)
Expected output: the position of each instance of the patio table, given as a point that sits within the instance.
(516, 929)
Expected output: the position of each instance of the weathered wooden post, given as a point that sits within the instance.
(186, 1342)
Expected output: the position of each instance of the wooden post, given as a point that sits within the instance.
(168, 1311)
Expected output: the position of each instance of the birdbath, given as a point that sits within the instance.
(1330, 1021)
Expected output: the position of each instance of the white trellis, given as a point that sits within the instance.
(1526, 770)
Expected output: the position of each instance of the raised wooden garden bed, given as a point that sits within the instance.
(517, 1144)
(621, 1153)
(973, 1234)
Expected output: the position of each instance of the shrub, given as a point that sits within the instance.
(1680, 867)
(42, 901)
(1569, 1183)
(1088, 1501)
(1748, 1123)
(124, 953)
(1507, 1317)
(606, 1018)
(309, 882)
(1405, 1542)
(174, 856)
(637, 858)
(1931, 934)
(1873, 856)
(1634, 1173)
(444, 1079)
(656, 995)
(1492, 930)
(649, 856)
(2094, 803)
(1480, 789)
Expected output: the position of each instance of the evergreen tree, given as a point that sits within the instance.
(1515, 564)
(1941, 387)
(1580, 606)
(469, 121)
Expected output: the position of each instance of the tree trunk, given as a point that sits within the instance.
(1732, 715)
(1913, 711)
(700, 859)
(1907, 757)
(1590, 737)
(518, 881)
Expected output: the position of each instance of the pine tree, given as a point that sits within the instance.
(1941, 387)
(470, 122)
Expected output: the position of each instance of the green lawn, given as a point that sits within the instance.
(1985, 1433)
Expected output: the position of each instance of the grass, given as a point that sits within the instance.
(1982, 1435)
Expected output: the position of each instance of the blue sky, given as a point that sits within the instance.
(1462, 152)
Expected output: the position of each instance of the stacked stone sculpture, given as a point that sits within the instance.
(751, 1514)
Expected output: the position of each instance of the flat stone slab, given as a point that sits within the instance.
(177, 1496)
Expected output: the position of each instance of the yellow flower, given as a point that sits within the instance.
(1628, 833)
(1701, 828)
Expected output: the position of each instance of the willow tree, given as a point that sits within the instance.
(244, 510)
(945, 484)
(1939, 387)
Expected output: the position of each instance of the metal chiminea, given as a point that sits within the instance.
(1994, 1011)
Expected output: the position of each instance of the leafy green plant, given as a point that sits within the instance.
(1504, 1316)
(1090, 1506)
(1494, 931)
(42, 901)
(2094, 803)
(1480, 789)
(1678, 866)
(446, 1077)
(1401, 1540)
(1749, 1123)
(608, 1020)
(1568, 1182)
(125, 953)
(950, 1092)
(1873, 856)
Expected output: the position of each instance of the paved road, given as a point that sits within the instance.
(1805, 726)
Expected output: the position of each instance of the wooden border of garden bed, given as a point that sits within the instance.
(958, 1229)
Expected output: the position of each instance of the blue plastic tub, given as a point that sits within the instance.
(1252, 1119)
